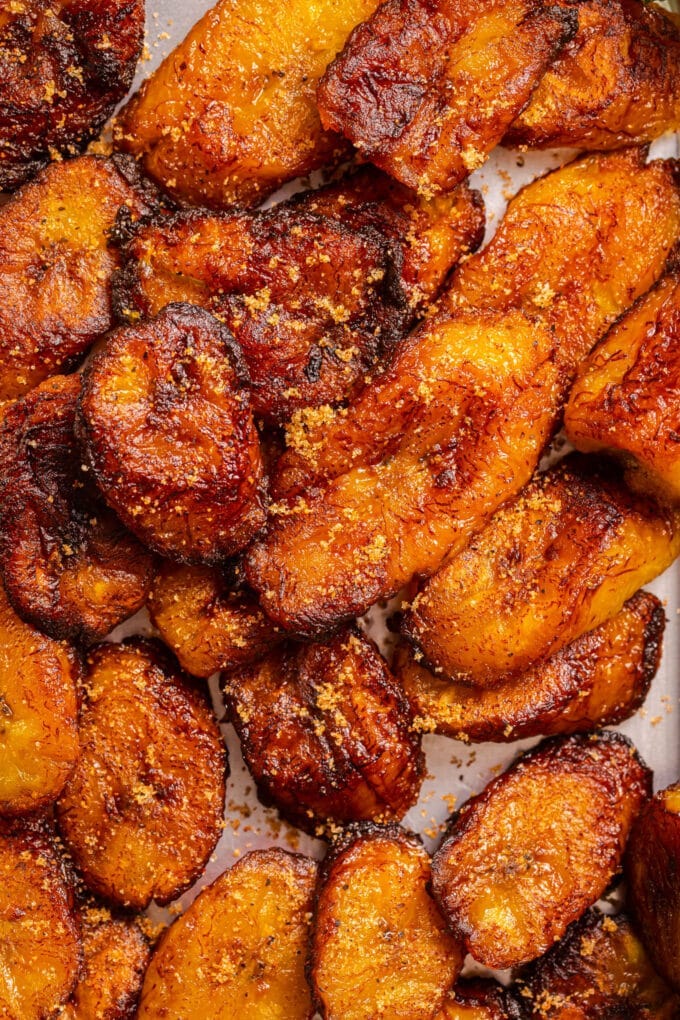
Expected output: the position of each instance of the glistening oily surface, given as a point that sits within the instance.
(457, 770)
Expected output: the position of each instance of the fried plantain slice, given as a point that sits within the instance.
(116, 955)
(539, 845)
(599, 969)
(626, 399)
(208, 625)
(246, 935)
(40, 935)
(480, 1000)
(558, 561)
(616, 82)
(168, 432)
(69, 566)
(142, 811)
(380, 949)
(326, 732)
(598, 680)
(38, 714)
(56, 266)
(230, 114)
(651, 870)
(64, 66)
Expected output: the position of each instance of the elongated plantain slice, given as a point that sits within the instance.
(168, 432)
(556, 562)
(40, 937)
(69, 566)
(64, 66)
(56, 266)
(206, 624)
(651, 870)
(626, 399)
(230, 114)
(599, 969)
(246, 936)
(426, 91)
(142, 812)
(480, 1000)
(326, 732)
(598, 680)
(616, 82)
(538, 846)
(379, 947)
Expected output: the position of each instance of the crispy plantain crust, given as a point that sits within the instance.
(142, 811)
(380, 950)
(598, 680)
(426, 90)
(246, 935)
(626, 399)
(70, 567)
(480, 1000)
(230, 115)
(616, 82)
(538, 846)
(599, 969)
(553, 564)
(167, 430)
(41, 949)
(651, 870)
(326, 732)
(63, 68)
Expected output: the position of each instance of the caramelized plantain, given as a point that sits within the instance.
(538, 846)
(142, 811)
(599, 969)
(230, 114)
(652, 873)
(326, 732)
(246, 936)
(64, 66)
(69, 566)
(40, 935)
(616, 82)
(599, 679)
(208, 625)
(480, 1000)
(380, 949)
(426, 91)
(554, 563)
(626, 399)
(167, 430)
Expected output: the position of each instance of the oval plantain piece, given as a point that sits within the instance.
(41, 948)
(598, 680)
(480, 1000)
(142, 811)
(554, 563)
(326, 732)
(69, 566)
(38, 714)
(208, 625)
(167, 429)
(239, 950)
(652, 862)
(598, 970)
(538, 846)
(64, 66)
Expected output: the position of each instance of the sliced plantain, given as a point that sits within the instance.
(326, 732)
(240, 949)
(142, 811)
(480, 1000)
(538, 846)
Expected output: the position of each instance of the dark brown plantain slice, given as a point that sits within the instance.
(480, 1000)
(327, 734)
(167, 430)
(69, 566)
(142, 812)
(246, 936)
(539, 846)
(380, 950)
